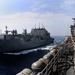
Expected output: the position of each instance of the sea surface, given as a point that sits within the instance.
(13, 63)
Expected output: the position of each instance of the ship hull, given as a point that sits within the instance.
(16, 45)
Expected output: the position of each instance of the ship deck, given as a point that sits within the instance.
(71, 71)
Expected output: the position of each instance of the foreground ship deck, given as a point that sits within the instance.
(71, 71)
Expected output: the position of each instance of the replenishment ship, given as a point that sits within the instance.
(11, 41)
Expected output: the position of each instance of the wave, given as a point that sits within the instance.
(29, 51)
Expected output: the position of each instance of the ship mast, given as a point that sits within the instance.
(35, 26)
(74, 21)
(43, 26)
(6, 30)
(39, 25)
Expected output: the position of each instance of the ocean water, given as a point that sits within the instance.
(12, 63)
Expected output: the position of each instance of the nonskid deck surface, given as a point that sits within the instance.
(71, 71)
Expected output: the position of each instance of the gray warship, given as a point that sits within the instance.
(11, 41)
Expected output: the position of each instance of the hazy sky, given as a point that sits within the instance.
(56, 15)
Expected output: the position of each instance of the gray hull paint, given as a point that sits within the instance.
(15, 45)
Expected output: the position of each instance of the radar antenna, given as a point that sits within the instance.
(74, 21)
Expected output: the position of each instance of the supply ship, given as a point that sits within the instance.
(11, 41)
